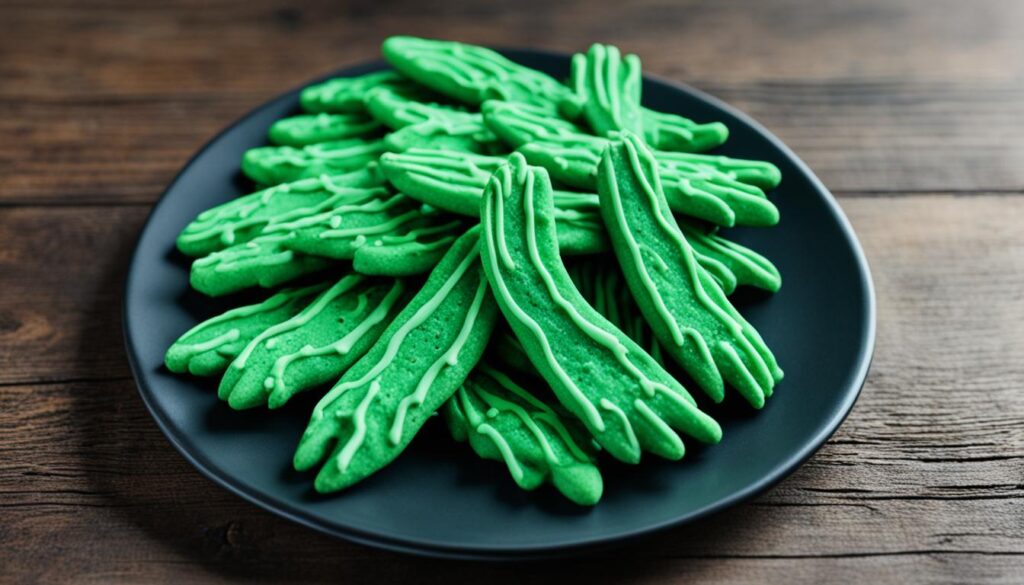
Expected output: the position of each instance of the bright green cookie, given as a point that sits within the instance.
(607, 90)
(718, 189)
(375, 221)
(470, 73)
(420, 124)
(602, 285)
(420, 360)
(504, 422)
(686, 308)
(313, 347)
(625, 399)
(272, 165)
(454, 181)
(263, 261)
(400, 107)
(344, 95)
(209, 347)
(670, 132)
(315, 128)
(410, 253)
(242, 219)
(730, 263)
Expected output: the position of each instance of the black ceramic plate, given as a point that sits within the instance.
(438, 499)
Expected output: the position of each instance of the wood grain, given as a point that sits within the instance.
(911, 111)
(929, 100)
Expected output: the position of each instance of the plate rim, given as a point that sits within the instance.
(421, 547)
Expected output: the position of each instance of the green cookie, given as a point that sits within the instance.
(602, 285)
(344, 95)
(313, 347)
(400, 107)
(375, 221)
(263, 261)
(686, 308)
(413, 252)
(309, 129)
(469, 73)
(242, 219)
(607, 90)
(730, 263)
(675, 133)
(454, 181)
(209, 347)
(420, 360)
(419, 124)
(625, 399)
(718, 189)
(272, 165)
(504, 422)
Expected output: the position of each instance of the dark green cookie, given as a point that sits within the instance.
(718, 189)
(272, 165)
(504, 422)
(242, 219)
(344, 95)
(209, 347)
(454, 181)
(420, 360)
(314, 346)
(263, 261)
(469, 73)
(625, 399)
(315, 128)
(688, 311)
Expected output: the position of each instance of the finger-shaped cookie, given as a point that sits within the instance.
(339, 232)
(263, 261)
(625, 399)
(695, 322)
(674, 133)
(209, 347)
(454, 181)
(343, 95)
(756, 173)
(463, 134)
(469, 73)
(607, 90)
(307, 129)
(399, 107)
(272, 165)
(420, 360)
(746, 266)
(421, 124)
(410, 253)
(706, 187)
(504, 422)
(602, 285)
(314, 346)
(242, 219)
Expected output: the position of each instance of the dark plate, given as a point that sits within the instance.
(438, 499)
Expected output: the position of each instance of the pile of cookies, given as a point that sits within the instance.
(465, 235)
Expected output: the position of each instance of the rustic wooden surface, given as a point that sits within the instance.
(912, 112)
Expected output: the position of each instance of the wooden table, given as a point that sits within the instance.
(911, 112)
